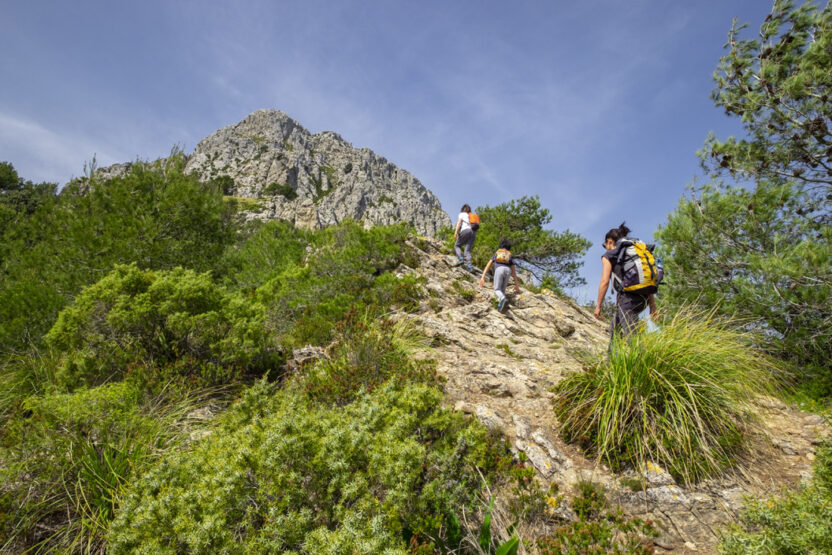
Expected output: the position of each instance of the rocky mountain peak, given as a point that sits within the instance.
(313, 180)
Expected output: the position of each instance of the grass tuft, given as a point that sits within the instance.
(682, 396)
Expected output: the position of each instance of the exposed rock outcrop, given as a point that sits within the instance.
(313, 180)
(501, 368)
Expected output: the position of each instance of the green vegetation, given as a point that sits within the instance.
(551, 256)
(67, 456)
(284, 190)
(681, 397)
(598, 529)
(224, 183)
(318, 183)
(155, 216)
(384, 472)
(243, 203)
(507, 350)
(461, 288)
(799, 522)
(175, 321)
(353, 452)
(762, 249)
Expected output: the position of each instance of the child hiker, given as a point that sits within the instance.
(503, 265)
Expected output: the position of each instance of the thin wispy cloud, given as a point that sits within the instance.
(584, 104)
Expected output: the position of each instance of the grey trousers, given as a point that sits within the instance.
(465, 241)
(501, 275)
(627, 308)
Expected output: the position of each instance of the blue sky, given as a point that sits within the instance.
(596, 106)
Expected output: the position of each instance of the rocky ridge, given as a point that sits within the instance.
(313, 180)
(501, 368)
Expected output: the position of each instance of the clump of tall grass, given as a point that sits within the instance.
(682, 396)
(68, 456)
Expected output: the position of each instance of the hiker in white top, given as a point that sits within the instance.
(464, 237)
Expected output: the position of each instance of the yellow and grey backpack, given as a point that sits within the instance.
(503, 256)
(636, 269)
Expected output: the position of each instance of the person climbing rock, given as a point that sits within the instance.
(625, 261)
(465, 233)
(503, 265)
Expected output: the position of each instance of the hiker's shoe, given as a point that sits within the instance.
(502, 304)
(469, 267)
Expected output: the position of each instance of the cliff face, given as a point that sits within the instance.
(313, 180)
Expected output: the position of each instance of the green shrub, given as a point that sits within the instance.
(367, 354)
(291, 475)
(225, 184)
(402, 292)
(156, 319)
(799, 522)
(66, 458)
(597, 528)
(266, 250)
(682, 397)
(461, 289)
(154, 215)
(23, 375)
(345, 269)
(285, 190)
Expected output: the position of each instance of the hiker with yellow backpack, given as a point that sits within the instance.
(636, 276)
(465, 233)
(503, 265)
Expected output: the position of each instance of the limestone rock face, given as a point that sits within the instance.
(311, 180)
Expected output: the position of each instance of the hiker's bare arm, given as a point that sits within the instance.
(651, 302)
(484, 273)
(516, 281)
(606, 272)
(456, 229)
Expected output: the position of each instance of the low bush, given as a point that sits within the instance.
(346, 267)
(682, 397)
(175, 318)
(265, 250)
(367, 353)
(597, 529)
(285, 190)
(381, 474)
(799, 522)
(66, 458)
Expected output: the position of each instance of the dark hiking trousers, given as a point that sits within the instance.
(627, 308)
(465, 241)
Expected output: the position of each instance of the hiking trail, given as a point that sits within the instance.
(501, 368)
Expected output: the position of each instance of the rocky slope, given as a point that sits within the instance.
(313, 180)
(502, 367)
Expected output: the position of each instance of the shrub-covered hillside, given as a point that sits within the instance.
(147, 401)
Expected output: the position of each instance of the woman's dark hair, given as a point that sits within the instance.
(617, 233)
(505, 244)
(465, 208)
